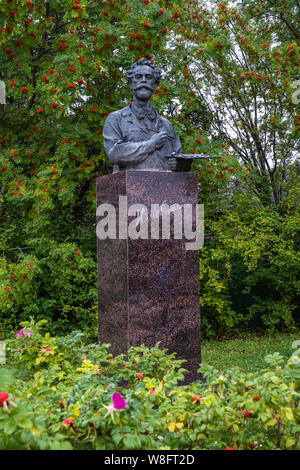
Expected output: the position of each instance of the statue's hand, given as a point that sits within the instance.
(158, 140)
(172, 163)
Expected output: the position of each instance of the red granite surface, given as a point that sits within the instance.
(149, 289)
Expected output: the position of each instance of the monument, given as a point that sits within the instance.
(148, 278)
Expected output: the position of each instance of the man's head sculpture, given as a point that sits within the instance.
(143, 78)
(131, 72)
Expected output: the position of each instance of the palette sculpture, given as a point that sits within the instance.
(148, 276)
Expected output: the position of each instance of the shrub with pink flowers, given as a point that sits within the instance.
(24, 332)
(60, 393)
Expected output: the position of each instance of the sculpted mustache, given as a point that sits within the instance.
(143, 86)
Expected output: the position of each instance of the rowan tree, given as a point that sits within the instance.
(229, 71)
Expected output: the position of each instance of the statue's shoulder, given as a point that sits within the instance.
(119, 114)
(165, 122)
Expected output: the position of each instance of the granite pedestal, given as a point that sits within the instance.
(149, 288)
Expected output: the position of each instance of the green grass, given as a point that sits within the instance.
(248, 351)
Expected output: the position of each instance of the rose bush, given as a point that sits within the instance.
(69, 395)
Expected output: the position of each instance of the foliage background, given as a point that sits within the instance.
(228, 88)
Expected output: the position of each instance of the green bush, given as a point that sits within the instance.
(60, 278)
(249, 265)
(63, 394)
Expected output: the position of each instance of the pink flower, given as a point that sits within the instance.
(3, 398)
(246, 413)
(47, 349)
(20, 333)
(5, 401)
(118, 401)
(68, 421)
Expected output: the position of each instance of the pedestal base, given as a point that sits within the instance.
(149, 288)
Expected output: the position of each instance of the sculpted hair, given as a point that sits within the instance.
(129, 73)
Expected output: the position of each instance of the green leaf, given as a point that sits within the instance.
(271, 422)
(290, 442)
(235, 428)
(289, 414)
(25, 423)
(275, 379)
(65, 445)
(100, 444)
(26, 436)
(43, 444)
(117, 437)
(9, 427)
(132, 441)
(6, 378)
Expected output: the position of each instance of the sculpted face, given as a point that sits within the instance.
(143, 82)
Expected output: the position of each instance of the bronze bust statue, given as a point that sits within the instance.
(137, 137)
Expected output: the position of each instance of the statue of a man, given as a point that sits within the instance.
(137, 137)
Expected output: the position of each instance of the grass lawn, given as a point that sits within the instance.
(248, 352)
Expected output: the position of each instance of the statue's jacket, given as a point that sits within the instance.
(126, 139)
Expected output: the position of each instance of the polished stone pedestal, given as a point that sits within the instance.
(149, 288)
